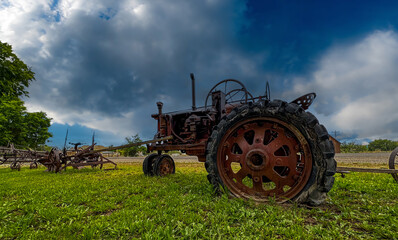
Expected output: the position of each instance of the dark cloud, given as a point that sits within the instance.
(104, 64)
(112, 65)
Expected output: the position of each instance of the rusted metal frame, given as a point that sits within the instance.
(170, 128)
(85, 162)
(129, 145)
(368, 170)
(197, 149)
(183, 147)
(16, 157)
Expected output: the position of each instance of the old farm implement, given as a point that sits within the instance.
(16, 157)
(58, 160)
(54, 160)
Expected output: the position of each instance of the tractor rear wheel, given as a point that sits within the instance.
(164, 165)
(271, 150)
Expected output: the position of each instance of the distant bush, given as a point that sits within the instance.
(132, 151)
(352, 147)
(382, 145)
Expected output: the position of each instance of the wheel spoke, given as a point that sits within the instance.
(258, 183)
(281, 141)
(280, 181)
(284, 161)
(258, 140)
(273, 176)
(243, 144)
(240, 175)
(234, 157)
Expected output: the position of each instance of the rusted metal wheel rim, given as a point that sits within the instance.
(264, 157)
(166, 166)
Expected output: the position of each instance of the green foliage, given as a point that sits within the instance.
(16, 124)
(15, 76)
(132, 151)
(352, 147)
(21, 127)
(126, 204)
(382, 145)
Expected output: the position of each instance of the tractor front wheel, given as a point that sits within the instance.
(147, 165)
(164, 165)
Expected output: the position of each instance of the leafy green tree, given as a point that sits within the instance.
(16, 124)
(382, 145)
(21, 127)
(132, 151)
(15, 75)
(12, 125)
(37, 128)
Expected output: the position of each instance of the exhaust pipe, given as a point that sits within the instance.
(193, 92)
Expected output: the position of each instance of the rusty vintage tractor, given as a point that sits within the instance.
(254, 147)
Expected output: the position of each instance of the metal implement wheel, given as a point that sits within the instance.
(33, 165)
(234, 90)
(15, 166)
(3, 160)
(271, 150)
(55, 160)
(164, 165)
(147, 165)
(394, 162)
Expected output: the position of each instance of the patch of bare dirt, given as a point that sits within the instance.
(363, 158)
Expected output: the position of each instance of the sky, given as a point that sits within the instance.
(102, 65)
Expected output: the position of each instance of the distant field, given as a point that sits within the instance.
(125, 204)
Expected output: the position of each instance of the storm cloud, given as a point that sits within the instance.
(103, 65)
(98, 64)
(357, 86)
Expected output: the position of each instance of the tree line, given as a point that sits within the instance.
(376, 145)
(17, 125)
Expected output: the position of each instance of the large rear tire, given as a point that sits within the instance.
(271, 150)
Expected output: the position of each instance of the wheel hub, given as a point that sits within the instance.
(256, 160)
(165, 168)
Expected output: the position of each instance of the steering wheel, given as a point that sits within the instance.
(234, 91)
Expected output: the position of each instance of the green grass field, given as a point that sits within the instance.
(91, 203)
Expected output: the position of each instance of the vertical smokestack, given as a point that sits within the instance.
(193, 92)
